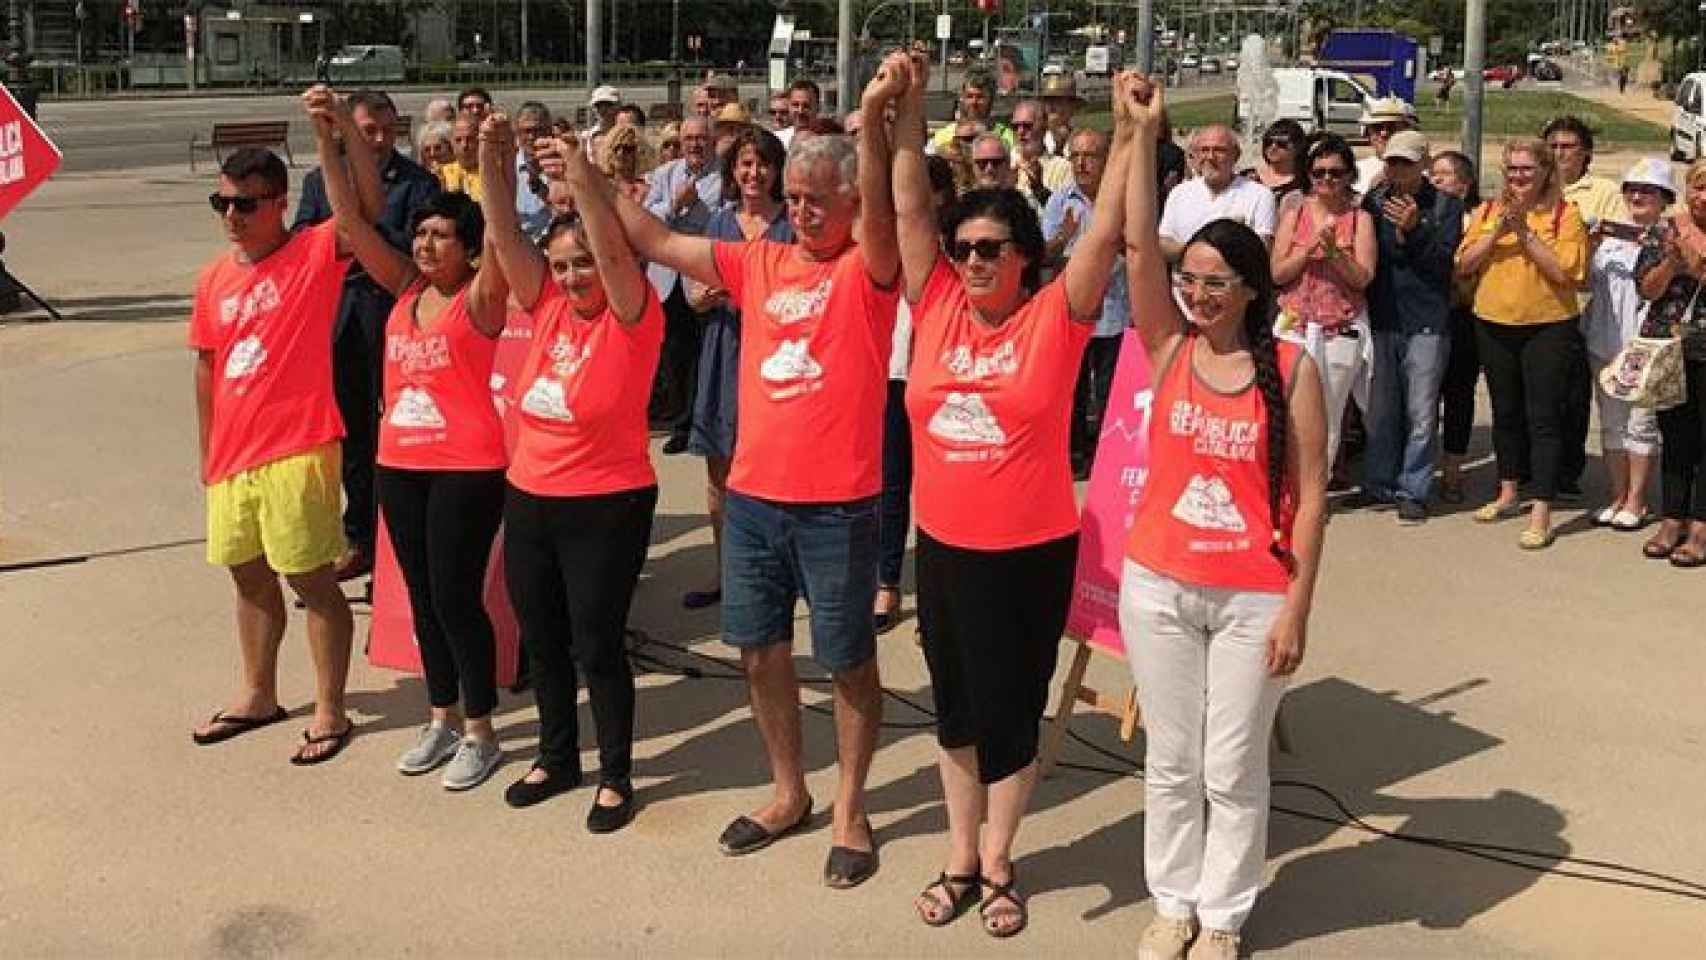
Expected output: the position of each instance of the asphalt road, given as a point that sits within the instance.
(101, 135)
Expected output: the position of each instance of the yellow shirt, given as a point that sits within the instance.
(1511, 290)
(1598, 199)
(457, 179)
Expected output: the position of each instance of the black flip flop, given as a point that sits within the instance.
(229, 726)
(1686, 557)
(847, 867)
(1003, 891)
(746, 835)
(957, 903)
(337, 740)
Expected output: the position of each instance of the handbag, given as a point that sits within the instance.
(1648, 372)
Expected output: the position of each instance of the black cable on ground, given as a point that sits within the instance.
(1496, 853)
(21, 566)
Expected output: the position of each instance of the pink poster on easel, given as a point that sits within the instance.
(391, 640)
(1116, 480)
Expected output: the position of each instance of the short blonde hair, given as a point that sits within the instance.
(1544, 162)
(621, 136)
(1695, 178)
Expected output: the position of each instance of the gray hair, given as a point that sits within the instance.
(440, 108)
(834, 149)
(432, 132)
(987, 137)
(1031, 105)
(536, 108)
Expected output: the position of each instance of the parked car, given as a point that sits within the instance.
(1688, 126)
(1210, 65)
(956, 59)
(1506, 73)
(1189, 62)
(1546, 70)
(1230, 63)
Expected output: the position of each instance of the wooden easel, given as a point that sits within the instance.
(1073, 692)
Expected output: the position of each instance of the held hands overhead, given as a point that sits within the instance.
(325, 109)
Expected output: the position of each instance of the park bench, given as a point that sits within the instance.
(230, 136)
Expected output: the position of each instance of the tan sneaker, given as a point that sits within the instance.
(1215, 945)
(1166, 938)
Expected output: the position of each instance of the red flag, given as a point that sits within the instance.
(27, 156)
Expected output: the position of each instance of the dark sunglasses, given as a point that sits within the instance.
(961, 250)
(221, 203)
(1329, 173)
(1278, 142)
(981, 162)
(1022, 125)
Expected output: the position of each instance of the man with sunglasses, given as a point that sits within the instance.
(1064, 221)
(1416, 232)
(1217, 192)
(1380, 120)
(358, 334)
(261, 326)
(1038, 173)
(532, 209)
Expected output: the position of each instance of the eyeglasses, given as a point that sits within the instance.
(1641, 190)
(1022, 125)
(1277, 142)
(1216, 150)
(1329, 173)
(1520, 170)
(985, 162)
(961, 250)
(1211, 284)
(221, 203)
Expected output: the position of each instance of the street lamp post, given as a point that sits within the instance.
(17, 60)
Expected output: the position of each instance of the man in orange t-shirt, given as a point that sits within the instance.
(817, 321)
(261, 326)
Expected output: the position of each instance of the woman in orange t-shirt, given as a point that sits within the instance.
(989, 397)
(1220, 567)
(578, 513)
(441, 453)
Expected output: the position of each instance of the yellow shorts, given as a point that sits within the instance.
(288, 510)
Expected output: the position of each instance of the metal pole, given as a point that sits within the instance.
(524, 5)
(594, 42)
(1145, 36)
(943, 81)
(1475, 85)
(846, 97)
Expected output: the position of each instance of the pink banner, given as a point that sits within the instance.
(1122, 465)
(391, 641)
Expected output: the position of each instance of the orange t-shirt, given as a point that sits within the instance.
(439, 413)
(991, 411)
(269, 328)
(583, 393)
(814, 354)
(1203, 517)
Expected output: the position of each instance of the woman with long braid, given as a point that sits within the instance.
(1220, 568)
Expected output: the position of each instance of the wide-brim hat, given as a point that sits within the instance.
(1059, 86)
(1652, 172)
(1387, 110)
(604, 94)
(733, 113)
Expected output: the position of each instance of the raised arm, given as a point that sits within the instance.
(388, 268)
(915, 211)
(488, 292)
(1087, 272)
(518, 259)
(877, 242)
(1153, 310)
(657, 243)
(624, 282)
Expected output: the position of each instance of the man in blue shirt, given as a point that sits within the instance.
(532, 121)
(684, 194)
(1064, 221)
(358, 336)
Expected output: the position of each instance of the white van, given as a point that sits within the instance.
(1688, 128)
(366, 63)
(1318, 98)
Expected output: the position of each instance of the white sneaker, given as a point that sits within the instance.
(1166, 938)
(474, 761)
(1215, 945)
(434, 745)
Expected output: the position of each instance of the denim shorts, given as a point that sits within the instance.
(774, 553)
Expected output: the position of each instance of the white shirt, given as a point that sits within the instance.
(1190, 205)
(1614, 314)
(900, 348)
(1370, 171)
(786, 135)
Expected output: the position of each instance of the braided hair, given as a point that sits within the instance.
(1245, 253)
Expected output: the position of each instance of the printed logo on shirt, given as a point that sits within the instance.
(793, 365)
(567, 357)
(245, 358)
(965, 418)
(243, 308)
(545, 399)
(794, 305)
(965, 365)
(415, 410)
(496, 384)
(1213, 436)
(1207, 505)
(421, 355)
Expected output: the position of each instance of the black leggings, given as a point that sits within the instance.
(1681, 461)
(572, 563)
(1530, 376)
(1457, 392)
(441, 524)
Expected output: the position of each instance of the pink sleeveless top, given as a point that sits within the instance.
(1318, 295)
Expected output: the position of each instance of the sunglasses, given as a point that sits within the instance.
(1022, 125)
(961, 250)
(1214, 286)
(982, 162)
(221, 203)
(1329, 173)
(1277, 142)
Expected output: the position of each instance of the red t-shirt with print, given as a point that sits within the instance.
(269, 328)
(583, 393)
(991, 412)
(439, 411)
(814, 352)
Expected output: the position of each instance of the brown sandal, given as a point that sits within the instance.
(1688, 556)
(1659, 547)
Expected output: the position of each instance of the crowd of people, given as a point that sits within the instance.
(873, 334)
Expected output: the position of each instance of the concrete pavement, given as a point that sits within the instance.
(1455, 686)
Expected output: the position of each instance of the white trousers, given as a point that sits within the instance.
(1199, 657)
(1344, 364)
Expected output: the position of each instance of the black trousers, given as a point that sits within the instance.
(441, 524)
(1457, 392)
(1681, 462)
(1578, 402)
(357, 382)
(678, 366)
(1090, 397)
(572, 563)
(1529, 371)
